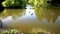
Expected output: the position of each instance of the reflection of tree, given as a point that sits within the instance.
(47, 13)
(11, 12)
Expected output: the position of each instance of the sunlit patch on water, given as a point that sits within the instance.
(40, 31)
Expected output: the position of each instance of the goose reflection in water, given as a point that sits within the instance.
(49, 14)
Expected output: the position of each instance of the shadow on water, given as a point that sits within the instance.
(1, 9)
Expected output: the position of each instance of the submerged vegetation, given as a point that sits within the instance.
(10, 31)
(14, 31)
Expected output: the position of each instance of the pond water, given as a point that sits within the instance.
(32, 20)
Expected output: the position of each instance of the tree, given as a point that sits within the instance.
(14, 3)
(55, 3)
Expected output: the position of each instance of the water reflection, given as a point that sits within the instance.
(12, 12)
(29, 20)
(49, 14)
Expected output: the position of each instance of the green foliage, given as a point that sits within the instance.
(36, 3)
(13, 3)
(12, 31)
